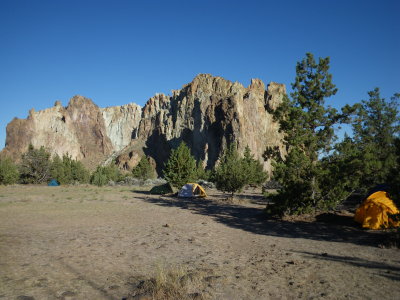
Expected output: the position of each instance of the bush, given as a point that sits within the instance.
(253, 169)
(201, 172)
(8, 172)
(181, 166)
(103, 175)
(229, 175)
(35, 166)
(68, 170)
(144, 170)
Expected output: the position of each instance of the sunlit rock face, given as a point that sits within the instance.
(207, 114)
(120, 122)
(77, 130)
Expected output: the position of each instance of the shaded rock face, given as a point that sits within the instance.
(207, 114)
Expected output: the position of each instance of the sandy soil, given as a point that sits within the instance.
(98, 243)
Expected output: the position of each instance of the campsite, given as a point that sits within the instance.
(87, 242)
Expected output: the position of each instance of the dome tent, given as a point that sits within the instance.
(53, 182)
(190, 190)
(375, 211)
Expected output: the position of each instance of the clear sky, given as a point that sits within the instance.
(116, 51)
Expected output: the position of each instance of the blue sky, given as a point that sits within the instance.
(116, 52)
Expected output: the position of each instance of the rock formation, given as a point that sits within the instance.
(208, 114)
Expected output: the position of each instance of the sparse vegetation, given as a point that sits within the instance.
(172, 283)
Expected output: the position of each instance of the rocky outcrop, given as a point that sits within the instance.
(208, 114)
(77, 129)
(120, 121)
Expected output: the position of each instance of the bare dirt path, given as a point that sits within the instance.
(98, 243)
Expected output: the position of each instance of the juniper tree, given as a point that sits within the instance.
(68, 170)
(376, 126)
(104, 174)
(253, 169)
(35, 165)
(230, 175)
(180, 167)
(144, 170)
(8, 171)
(308, 128)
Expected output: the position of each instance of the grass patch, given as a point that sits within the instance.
(172, 283)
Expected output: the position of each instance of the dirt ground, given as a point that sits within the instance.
(100, 243)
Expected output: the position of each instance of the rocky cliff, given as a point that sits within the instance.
(208, 114)
(82, 129)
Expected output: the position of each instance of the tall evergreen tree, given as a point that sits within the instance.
(180, 167)
(308, 127)
(376, 126)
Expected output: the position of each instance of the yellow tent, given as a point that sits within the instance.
(373, 212)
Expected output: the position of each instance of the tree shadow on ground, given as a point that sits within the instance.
(326, 227)
(383, 269)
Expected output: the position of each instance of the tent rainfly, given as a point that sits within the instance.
(190, 190)
(375, 211)
(53, 182)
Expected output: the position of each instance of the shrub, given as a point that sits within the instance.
(253, 169)
(8, 172)
(180, 167)
(104, 174)
(144, 170)
(229, 175)
(68, 170)
(35, 166)
(201, 172)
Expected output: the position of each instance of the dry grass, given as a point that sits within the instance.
(170, 283)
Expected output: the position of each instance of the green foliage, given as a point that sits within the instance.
(144, 170)
(308, 130)
(201, 172)
(394, 176)
(103, 175)
(180, 167)
(35, 166)
(375, 126)
(8, 171)
(253, 169)
(68, 170)
(229, 175)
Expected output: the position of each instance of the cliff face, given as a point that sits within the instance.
(208, 114)
(78, 129)
(120, 121)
